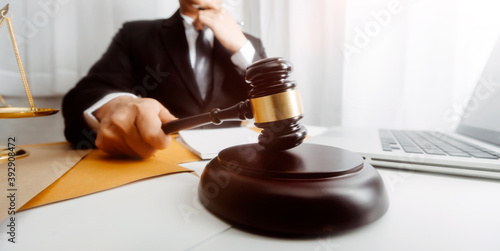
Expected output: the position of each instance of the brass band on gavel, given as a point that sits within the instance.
(277, 106)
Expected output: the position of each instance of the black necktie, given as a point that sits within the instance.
(203, 64)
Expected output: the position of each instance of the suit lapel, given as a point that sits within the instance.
(174, 39)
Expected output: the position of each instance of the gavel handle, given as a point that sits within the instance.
(240, 111)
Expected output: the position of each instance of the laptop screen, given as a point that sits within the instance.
(481, 118)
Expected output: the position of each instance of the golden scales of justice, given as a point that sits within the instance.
(6, 111)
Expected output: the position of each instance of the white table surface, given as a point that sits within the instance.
(427, 212)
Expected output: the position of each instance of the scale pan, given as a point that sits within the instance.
(4, 154)
(25, 112)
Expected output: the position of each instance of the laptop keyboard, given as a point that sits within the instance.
(433, 143)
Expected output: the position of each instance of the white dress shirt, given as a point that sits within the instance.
(242, 59)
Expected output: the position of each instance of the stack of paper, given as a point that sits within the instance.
(207, 143)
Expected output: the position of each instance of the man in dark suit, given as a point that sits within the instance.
(150, 75)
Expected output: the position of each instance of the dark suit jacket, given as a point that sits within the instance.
(151, 59)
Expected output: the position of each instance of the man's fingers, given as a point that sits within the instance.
(149, 123)
(166, 116)
(125, 124)
(206, 18)
(212, 5)
(132, 127)
(119, 133)
(206, 5)
(112, 143)
(199, 23)
(224, 27)
(134, 141)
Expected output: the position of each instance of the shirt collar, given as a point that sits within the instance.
(188, 21)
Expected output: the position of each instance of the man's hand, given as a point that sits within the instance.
(132, 127)
(222, 23)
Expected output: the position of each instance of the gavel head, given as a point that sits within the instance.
(276, 104)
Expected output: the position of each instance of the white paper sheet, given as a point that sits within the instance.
(207, 143)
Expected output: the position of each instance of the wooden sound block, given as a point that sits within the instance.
(307, 190)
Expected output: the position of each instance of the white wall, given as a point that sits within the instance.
(419, 65)
(60, 39)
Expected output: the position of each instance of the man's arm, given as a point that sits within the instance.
(125, 125)
(112, 73)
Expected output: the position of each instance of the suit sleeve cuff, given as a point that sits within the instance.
(244, 57)
(88, 115)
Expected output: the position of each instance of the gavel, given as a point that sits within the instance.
(273, 101)
(306, 190)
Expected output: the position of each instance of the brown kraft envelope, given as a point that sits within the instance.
(98, 172)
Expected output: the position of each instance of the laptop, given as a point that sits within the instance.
(473, 149)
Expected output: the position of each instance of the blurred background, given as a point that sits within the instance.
(365, 63)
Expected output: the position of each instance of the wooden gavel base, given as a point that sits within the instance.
(307, 190)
